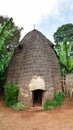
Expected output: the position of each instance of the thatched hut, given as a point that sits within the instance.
(35, 69)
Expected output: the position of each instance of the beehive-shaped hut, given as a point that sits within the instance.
(35, 69)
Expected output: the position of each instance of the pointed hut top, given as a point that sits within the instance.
(36, 35)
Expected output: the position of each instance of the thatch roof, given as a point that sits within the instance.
(35, 33)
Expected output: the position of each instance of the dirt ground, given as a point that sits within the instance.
(57, 119)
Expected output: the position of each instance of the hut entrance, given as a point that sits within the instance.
(37, 97)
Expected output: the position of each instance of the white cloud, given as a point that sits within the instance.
(28, 12)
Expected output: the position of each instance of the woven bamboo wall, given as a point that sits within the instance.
(34, 59)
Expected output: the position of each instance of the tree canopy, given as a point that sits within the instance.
(65, 57)
(7, 33)
(64, 47)
(14, 40)
(64, 32)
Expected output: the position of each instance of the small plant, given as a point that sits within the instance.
(19, 106)
(11, 94)
(56, 102)
(59, 97)
(50, 104)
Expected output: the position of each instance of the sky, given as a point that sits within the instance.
(46, 15)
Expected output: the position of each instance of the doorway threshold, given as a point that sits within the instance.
(36, 108)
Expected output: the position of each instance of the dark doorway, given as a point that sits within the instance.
(37, 97)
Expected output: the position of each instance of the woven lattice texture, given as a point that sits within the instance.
(33, 66)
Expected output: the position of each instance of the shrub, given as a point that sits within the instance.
(50, 104)
(56, 102)
(11, 94)
(19, 106)
(59, 97)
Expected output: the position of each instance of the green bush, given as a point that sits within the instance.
(50, 104)
(59, 97)
(56, 102)
(11, 94)
(19, 106)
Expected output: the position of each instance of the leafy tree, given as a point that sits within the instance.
(3, 20)
(6, 34)
(64, 32)
(65, 57)
(14, 40)
(64, 47)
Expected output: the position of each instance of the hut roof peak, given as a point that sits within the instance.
(34, 34)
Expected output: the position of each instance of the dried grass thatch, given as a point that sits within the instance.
(35, 66)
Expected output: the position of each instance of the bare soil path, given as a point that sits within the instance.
(57, 119)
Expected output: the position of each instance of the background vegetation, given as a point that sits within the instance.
(64, 48)
(9, 39)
